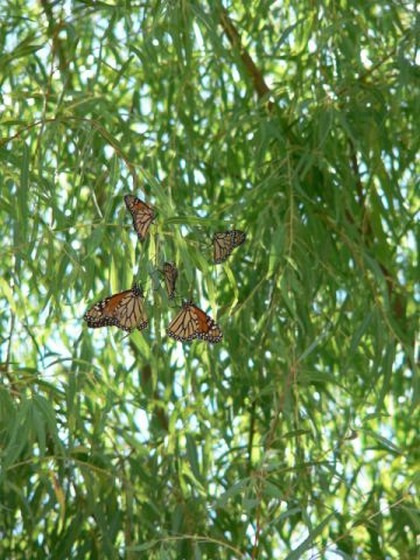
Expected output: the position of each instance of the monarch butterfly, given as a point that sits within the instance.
(191, 322)
(225, 242)
(124, 310)
(170, 274)
(143, 215)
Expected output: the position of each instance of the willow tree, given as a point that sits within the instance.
(293, 437)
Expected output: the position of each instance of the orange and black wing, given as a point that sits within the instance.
(142, 214)
(225, 242)
(124, 310)
(191, 322)
(170, 274)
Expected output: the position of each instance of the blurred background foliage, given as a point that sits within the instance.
(296, 436)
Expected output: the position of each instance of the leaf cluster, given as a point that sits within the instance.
(296, 122)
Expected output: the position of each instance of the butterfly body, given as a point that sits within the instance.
(142, 214)
(224, 242)
(124, 310)
(191, 323)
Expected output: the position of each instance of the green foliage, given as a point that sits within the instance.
(296, 436)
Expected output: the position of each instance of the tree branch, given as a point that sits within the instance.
(262, 89)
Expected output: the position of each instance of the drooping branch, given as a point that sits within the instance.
(396, 298)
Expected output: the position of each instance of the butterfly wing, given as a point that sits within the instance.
(170, 274)
(142, 214)
(191, 322)
(183, 327)
(206, 327)
(131, 314)
(124, 310)
(225, 242)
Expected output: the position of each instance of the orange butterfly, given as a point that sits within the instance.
(225, 242)
(124, 310)
(191, 322)
(143, 215)
(170, 274)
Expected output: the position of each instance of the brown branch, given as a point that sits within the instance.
(262, 89)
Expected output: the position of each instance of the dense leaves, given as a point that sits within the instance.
(294, 437)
